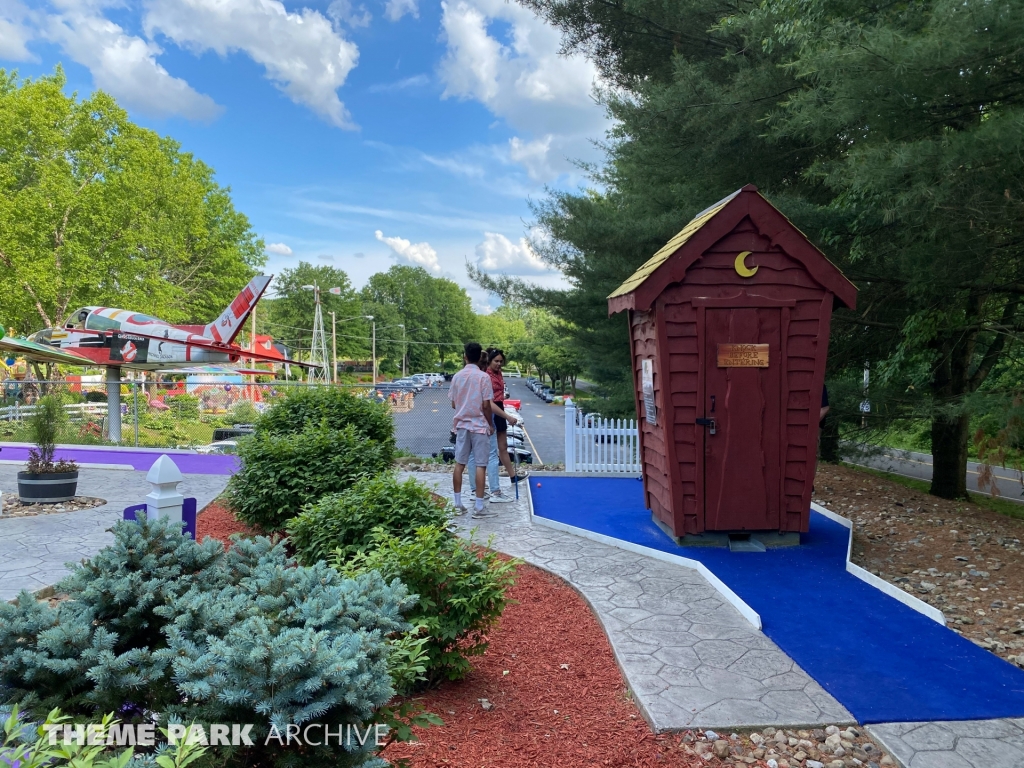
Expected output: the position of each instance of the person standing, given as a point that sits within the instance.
(491, 363)
(471, 397)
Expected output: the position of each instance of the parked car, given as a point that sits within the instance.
(547, 395)
(219, 447)
(228, 433)
(422, 379)
(409, 383)
(447, 454)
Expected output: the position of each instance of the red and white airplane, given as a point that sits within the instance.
(119, 338)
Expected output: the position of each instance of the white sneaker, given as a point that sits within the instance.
(498, 497)
(460, 510)
(477, 514)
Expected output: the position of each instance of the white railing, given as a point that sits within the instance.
(595, 444)
(16, 412)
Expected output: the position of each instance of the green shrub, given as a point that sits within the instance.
(157, 623)
(344, 522)
(461, 591)
(183, 406)
(24, 745)
(280, 474)
(244, 412)
(306, 407)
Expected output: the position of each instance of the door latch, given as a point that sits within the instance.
(707, 423)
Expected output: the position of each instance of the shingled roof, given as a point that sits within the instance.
(711, 224)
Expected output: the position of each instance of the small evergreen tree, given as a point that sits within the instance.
(158, 624)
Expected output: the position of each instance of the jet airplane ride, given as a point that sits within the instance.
(119, 338)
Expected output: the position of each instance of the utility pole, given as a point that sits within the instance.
(405, 350)
(374, 349)
(334, 348)
(865, 406)
(252, 344)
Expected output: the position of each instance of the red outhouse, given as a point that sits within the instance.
(729, 327)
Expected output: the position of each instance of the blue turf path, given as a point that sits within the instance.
(882, 660)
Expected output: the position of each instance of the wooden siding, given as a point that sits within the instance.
(653, 449)
(804, 331)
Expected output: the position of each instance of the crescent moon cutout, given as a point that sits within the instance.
(742, 269)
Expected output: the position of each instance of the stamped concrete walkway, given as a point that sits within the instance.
(33, 550)
(692, 661)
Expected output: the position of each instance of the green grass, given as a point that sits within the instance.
(993, 503)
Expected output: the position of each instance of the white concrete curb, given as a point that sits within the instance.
(87, 447)
(120, 467)
(731, 597)
(882, 585)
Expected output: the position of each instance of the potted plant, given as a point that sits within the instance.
(44, 480)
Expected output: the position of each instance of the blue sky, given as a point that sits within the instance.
(358, 133)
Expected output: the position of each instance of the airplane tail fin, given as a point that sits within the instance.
(226, 327)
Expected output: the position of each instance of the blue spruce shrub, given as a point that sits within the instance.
(157, 623)
(281, 473)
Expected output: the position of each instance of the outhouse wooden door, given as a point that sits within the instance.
(742, 459)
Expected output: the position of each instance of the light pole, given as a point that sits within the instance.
(373, 352)
(405, 347)
(346, 319)
(334, 348)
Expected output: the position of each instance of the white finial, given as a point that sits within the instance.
(164, 500)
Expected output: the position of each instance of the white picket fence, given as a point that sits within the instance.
(18, 412)
(595, 444)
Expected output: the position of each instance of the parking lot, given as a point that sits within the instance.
(424, 430)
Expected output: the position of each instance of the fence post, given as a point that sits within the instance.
(164, 500)
(135, 392)
(570, 436)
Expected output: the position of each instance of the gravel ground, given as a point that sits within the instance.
(831, 747)
(961, 558)
(12, 506)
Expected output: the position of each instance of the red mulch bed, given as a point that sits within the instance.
(558, 697)
(544, 714)
(218, 521)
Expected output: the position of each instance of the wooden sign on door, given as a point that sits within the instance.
(742, 355)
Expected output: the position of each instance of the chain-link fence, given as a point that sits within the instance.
(197, 414)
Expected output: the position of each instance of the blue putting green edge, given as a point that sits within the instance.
(879, 658)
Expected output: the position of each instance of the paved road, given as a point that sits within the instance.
(545, 424)
(919, 465)
(425, 429)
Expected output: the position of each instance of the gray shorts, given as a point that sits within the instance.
(477, 443)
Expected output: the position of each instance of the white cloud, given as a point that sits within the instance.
(499, 254)
(279, 249)
(419, 255)
(545, 97)
(15, 31)
(302, 53)
(534, 155)
(344, 12)
(416, 81)
(396, 9)
(125, 65)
